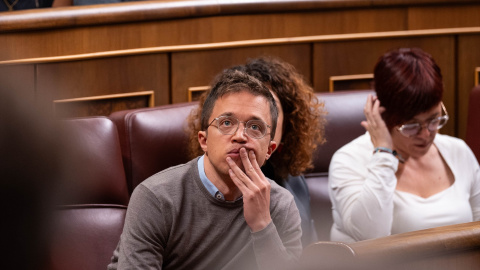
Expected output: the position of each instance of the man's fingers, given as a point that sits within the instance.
(239, 183)
(253, 161)
(259, 179)
(238, 173)
(248, 164)
(253, 178)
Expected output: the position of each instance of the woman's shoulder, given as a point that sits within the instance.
(450, 143)
(453, 147)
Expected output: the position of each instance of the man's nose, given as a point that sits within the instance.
(240, 134)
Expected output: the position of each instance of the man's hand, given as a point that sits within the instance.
(255, 189)
(375, 125)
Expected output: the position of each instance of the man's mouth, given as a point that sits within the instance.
(235, 153)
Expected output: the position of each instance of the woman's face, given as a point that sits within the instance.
(279, 130)
(417, 145)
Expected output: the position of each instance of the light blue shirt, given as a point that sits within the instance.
(212, 189)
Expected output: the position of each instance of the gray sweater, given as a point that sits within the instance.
(173, 222)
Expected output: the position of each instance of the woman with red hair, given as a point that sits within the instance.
(401, 175)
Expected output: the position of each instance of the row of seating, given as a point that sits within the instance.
(114, 154)
(153, 139)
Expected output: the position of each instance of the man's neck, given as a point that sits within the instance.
(222, 181)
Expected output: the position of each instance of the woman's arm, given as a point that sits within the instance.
(362, 185)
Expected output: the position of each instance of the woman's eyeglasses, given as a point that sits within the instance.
(409, 130)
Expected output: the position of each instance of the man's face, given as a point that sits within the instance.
(243, 106)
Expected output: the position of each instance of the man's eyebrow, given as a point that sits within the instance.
(232, 114)
(226, 114)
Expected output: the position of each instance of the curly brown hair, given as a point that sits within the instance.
(304, 115)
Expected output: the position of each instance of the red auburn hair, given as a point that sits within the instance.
(407, 82)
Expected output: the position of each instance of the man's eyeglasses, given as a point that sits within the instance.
(409, 130)
(228, 125)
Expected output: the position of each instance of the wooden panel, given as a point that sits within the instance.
(468, 61)
(102, 105)
(477, 75)
(446, 16)
(156, 23)
(145, 34)
(104, 76)
(192, 69)
(359, 57)
(309, 23)
(448, 247)
(194, 93)
(467, 259)
(350, 82)
(179, 9)
(18, 79)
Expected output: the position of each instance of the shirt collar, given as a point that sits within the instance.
(212, 189)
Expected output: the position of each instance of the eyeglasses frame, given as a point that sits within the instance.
(238, 125)
(425, 125)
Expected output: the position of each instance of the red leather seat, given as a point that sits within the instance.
(345, 112)
(94, 172)
(152, 139)
(89, 221)
(86, 236)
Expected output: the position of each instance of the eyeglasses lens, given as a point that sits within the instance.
(254, 128)
(414, 129)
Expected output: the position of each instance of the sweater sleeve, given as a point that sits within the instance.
(279, 246)
(361, 187)
(144, 237)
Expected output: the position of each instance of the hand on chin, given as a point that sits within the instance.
(237, 159)
(239, 163)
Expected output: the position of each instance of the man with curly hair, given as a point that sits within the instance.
(300, 128)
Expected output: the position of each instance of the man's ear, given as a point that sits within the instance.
(271, 147)
(202, 139)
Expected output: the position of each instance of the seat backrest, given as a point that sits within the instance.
(89, 222)
(345, 112)
(92, 165)
(473, 127)
(86, 236)
(152, 139)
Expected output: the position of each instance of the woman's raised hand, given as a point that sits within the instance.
(375, 125)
